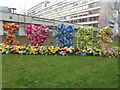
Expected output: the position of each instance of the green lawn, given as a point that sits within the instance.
(116, 43)
(35, 71)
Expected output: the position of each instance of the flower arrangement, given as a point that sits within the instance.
(104, 37)
(64, 35)
(11, 28)
(85, 36)
(37, 35)
(52, 50)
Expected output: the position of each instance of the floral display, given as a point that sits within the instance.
(52, 50)
(85, 36)
(64, 35)
(37, 35)
(104, 37)
(11, 28)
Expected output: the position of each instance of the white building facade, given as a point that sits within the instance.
(24, 20)
(96, 13)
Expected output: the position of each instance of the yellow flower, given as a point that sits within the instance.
(51, 50)
(3, 50)
(66, 47)
(84, 51)
(54, 52)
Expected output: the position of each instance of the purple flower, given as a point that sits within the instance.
(84, 54)
(0, 52)
(61, 52)
(79, 52)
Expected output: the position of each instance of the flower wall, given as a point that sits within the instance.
(85, 36)
(37, 35)
(64, 35)
(104, 37)
(11, 38)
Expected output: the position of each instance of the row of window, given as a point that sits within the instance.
(94, 25)
(75, 3)
(66, 9)
(61, 11)
(86, 20)
(111, 22)
(80, 14)
(93, 4)
(96, 11)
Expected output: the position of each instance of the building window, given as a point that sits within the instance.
(84, 1)
(80, 8)
(95, 25)
(80, 14)
(84, 19)
(90, 12)
(85, 13)
(111, 26)
(94, 11)
(111, 22)
(67, 17)
(90, 19)
(84, 7)
(89, 25)
(96, 4)
(75, 3)
(80, 20)
(75, 15)
(72, 21)
(93, 4)
(93, 18)
(80, 1)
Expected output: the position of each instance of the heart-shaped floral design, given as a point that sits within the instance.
(37, 34)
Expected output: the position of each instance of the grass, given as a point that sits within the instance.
(35, 71)
(116, 43)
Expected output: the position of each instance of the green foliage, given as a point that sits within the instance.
(85, 36)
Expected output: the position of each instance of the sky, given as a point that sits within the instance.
(23, 5)
(20, 5)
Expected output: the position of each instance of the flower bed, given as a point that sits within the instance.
(53, 50)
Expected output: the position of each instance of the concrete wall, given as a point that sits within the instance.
(18, 18)
(119, 17)
(107, 12)
(1, 28)
(4, 9)
(49, 41)
(24, 40)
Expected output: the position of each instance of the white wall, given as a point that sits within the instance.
(1, 28)
(22, 30)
